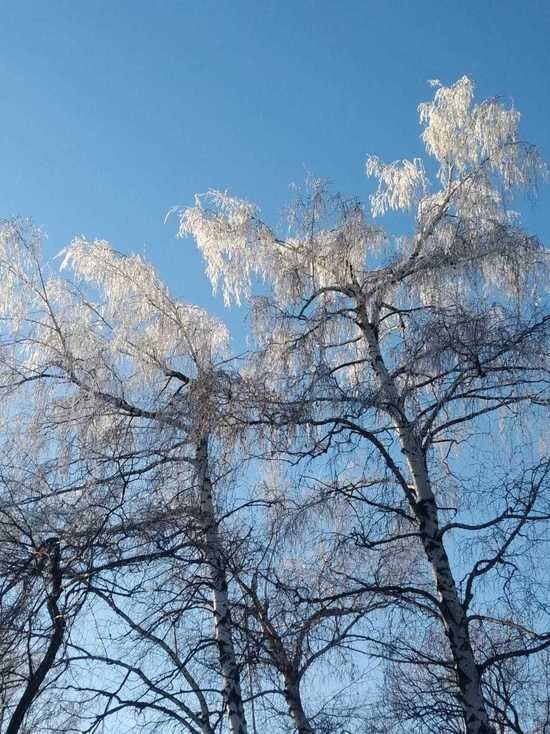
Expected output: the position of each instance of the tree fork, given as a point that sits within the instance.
(50, 550)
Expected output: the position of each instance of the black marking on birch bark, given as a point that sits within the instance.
(456, 628)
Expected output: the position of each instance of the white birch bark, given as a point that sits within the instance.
(295, 708)
(220, 603)
(425, 509)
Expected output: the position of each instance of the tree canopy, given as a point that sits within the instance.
(342, 530)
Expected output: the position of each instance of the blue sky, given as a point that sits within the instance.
(113, 112)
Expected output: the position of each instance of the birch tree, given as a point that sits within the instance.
(294, 624)
(399, 381)
(39, 602)
(120, 380)
(405, 346)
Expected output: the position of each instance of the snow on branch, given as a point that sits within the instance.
(146, 320)
(233, 241)
(400, 184)
(327, 242)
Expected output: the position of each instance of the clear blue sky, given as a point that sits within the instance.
(114, 111)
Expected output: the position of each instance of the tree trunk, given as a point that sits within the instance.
(295, 708)
(452, 612)
(454, 618)
(220, 603)
(53, 557)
